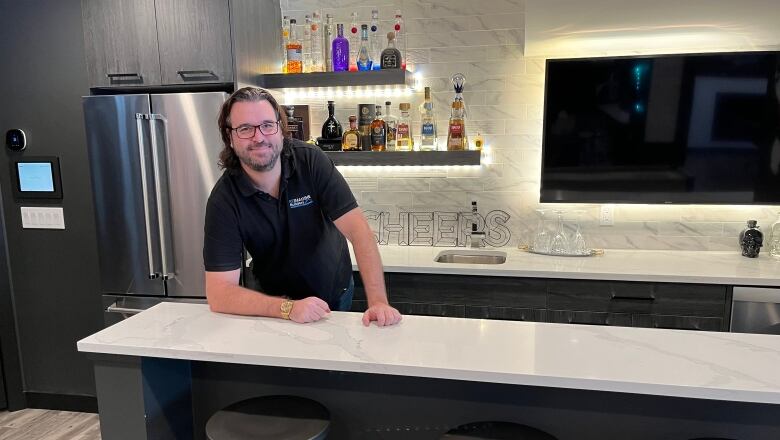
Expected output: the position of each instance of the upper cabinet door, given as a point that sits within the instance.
(194, 37)
(120, 39)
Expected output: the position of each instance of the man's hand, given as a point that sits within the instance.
(383, 314)
(309, 310)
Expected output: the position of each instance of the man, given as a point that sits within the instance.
(285, 202)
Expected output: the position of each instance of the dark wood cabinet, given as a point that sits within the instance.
(618, 303)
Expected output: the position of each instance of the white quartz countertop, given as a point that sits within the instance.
(707, 267)
(691, 364)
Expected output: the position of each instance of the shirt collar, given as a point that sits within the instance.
(287, 160)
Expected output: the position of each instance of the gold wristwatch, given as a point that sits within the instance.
(286, 308)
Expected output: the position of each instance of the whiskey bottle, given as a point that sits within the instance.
(391, 56)
(427, 123)
(390, 125)
(351, 139)
(294, 125)
(403, 131)
(331, 128)
(456, 133)
(340, 49)
(378, 131)
(294, 50)
(363, 59)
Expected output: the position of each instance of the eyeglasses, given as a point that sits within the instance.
(248, 131)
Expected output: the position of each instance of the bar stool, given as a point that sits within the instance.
(496, 431)
(270, 417)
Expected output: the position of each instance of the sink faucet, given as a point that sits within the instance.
(476, 236)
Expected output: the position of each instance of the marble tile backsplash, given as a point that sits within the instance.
(505, 96)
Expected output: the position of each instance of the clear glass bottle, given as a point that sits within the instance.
(391, 56)
(340, 50)
(329, 33)
(400, 36)
(390, 124)
(774, 238)
(294, 50)
(456, 132)
(427, 123)
(363, 58)
(378, 131)
(354, 42)
(351, 139)
(285, 40)
(315, 44)
(403, 131)
(306, 44)
(375, 41)
(331, 128)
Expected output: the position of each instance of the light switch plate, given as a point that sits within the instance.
(34, 217)
(607, 216)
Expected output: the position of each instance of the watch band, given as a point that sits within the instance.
(286, 308)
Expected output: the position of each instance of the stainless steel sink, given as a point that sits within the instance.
(471, 257)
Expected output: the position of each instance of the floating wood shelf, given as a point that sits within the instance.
(336, 79)
(405, 158)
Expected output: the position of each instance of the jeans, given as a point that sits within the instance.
(343, 301)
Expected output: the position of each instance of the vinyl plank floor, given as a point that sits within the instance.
(36, 424)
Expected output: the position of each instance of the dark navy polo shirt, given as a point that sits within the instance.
(296, 249)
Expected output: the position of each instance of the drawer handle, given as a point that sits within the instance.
(195, 74)
(633, 298)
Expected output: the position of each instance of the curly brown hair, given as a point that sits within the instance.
(227, 157)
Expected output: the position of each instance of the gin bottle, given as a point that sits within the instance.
(340, 50)
(329, 33)
(363, 59)
(400, 36)
(354, 41)
(375, 41)
(294, 51)
(391, 56)
(390, 124)
(315, 45)
(427, 123)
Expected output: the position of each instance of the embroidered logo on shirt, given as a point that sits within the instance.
(300, 201)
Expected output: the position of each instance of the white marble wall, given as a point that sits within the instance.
(504, 92)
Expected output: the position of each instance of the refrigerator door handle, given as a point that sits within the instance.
(139, 117)
(162, 211)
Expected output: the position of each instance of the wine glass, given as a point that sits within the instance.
(559, 245)
(542, 237)
(578, 244)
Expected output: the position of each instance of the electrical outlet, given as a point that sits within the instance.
(607, 217)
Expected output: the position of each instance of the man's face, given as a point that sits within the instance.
(260, 152)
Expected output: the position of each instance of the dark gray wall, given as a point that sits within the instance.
(54, 273)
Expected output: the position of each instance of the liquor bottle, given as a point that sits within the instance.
(403, 129)
(294, 51)
(400, 36)
(328, 36)
(378, 131)
(752, 240)
(391, 56)
(351, 139)
(340, 50)
(456, 133)
(375, 42)
(427, 123)
(354, 42)
(315, 44)
(365, 117)
(331, 128)
(363, 59)
(774, 239)
(478, 142)
(285, 40)
(306, 44)
(390, 124)
(294, 125)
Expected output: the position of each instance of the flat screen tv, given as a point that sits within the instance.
(690, 128)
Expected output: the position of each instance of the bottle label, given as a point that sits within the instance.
(402, 130)
(456, 130)
(378, 136)
(294, 54)
(427, 129)
(350, 141)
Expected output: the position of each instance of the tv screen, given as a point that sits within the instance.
(692, 128)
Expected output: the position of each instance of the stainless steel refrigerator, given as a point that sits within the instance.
(153, 159)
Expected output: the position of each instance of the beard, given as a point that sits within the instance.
(258, 164)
